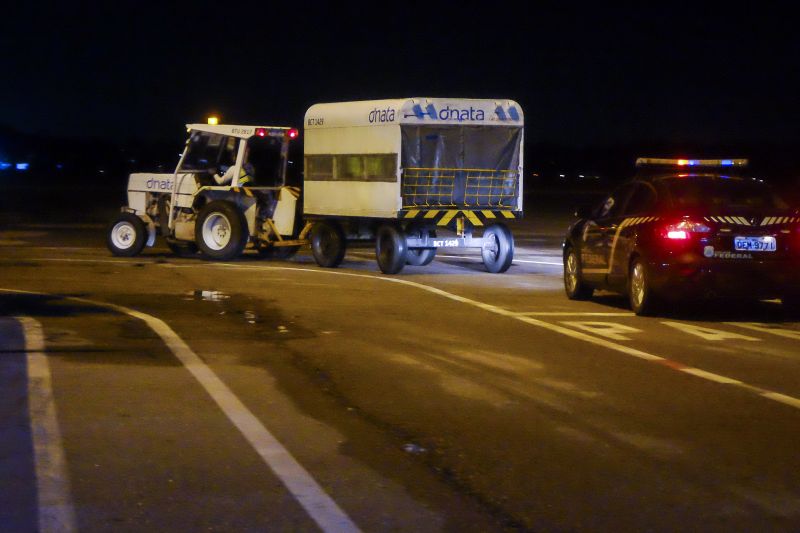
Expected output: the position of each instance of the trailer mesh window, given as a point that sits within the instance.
(319, 167)
(352, 167)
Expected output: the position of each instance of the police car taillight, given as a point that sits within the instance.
(292, 133)
(682, 230)
(261, 132)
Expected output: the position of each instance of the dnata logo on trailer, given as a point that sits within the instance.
(454, 113)
(381, 115)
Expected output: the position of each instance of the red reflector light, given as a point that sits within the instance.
(677, 234)
(261, 132)
(292, 133)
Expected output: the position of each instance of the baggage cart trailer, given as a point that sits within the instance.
(397, 170)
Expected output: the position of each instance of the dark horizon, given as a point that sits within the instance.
(593, 77)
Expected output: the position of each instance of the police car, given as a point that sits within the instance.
(686, 228)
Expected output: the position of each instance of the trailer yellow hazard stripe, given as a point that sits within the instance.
(443, 217)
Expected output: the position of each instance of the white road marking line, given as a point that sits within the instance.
(710, 376)
(709, 334)
(765, 328)
(778, 397)
(571, 313)
(610, 330)
(55, 511)
(319, 506)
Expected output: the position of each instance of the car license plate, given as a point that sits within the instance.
(755, 244)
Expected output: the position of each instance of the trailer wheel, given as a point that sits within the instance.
(182, 248)
(420, 256)
(126, 235)
(391, 249)
(328, 244)
(498, 248)
(220, 231)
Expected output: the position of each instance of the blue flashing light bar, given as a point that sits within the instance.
(647, 161)
(4, 165)
(22, 166)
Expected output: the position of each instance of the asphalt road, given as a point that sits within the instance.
(169, 394)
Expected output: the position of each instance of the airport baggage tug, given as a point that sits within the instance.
(397, 170)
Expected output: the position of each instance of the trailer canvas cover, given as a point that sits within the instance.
(376, 158)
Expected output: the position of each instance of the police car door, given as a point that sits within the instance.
(599, 235)
(640, 202)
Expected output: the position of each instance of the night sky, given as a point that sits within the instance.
(129, 71)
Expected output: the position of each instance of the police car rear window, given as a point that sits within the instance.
(715, 193)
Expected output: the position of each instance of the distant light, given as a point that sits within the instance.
(292, 133)
(213, 121)
(726, 162)
(4, 165)
(22, 166)
(59, 166)
(261, 132)
(562, 176)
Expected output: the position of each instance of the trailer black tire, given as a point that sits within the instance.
(126, 235)
(391, 249)
(220, 231)
(420, 256)
(498, 248)
(328, 243)
(181, 248)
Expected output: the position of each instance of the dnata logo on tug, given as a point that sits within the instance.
(157, 184)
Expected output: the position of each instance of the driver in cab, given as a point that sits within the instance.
(245, 173)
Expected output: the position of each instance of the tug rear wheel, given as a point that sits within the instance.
(498, 248)
(328, 244)
(420, 256)
(126, 235)
(220, 231)
(391, 249)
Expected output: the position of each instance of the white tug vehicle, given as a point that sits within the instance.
(228, 191)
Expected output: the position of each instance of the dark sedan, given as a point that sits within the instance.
(686, 229)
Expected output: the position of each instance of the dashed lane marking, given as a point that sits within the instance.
(55, 511)
(319, 506)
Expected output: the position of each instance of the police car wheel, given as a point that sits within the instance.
(328, 244)
(420, 256)
(391, 249)
(182, 248)
(574, 285)
(126, 235)
(498, 248)
(642, 299)
(220, 231)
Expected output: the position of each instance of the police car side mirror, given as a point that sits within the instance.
(583, 211)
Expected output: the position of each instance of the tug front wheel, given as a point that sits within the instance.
(220, 231)
(126, 235)
(328, 244)
(498, 248)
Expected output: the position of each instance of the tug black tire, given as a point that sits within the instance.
(220, 231)
(498, 248)
(328, 244)
(391, 249)
(126, 235)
